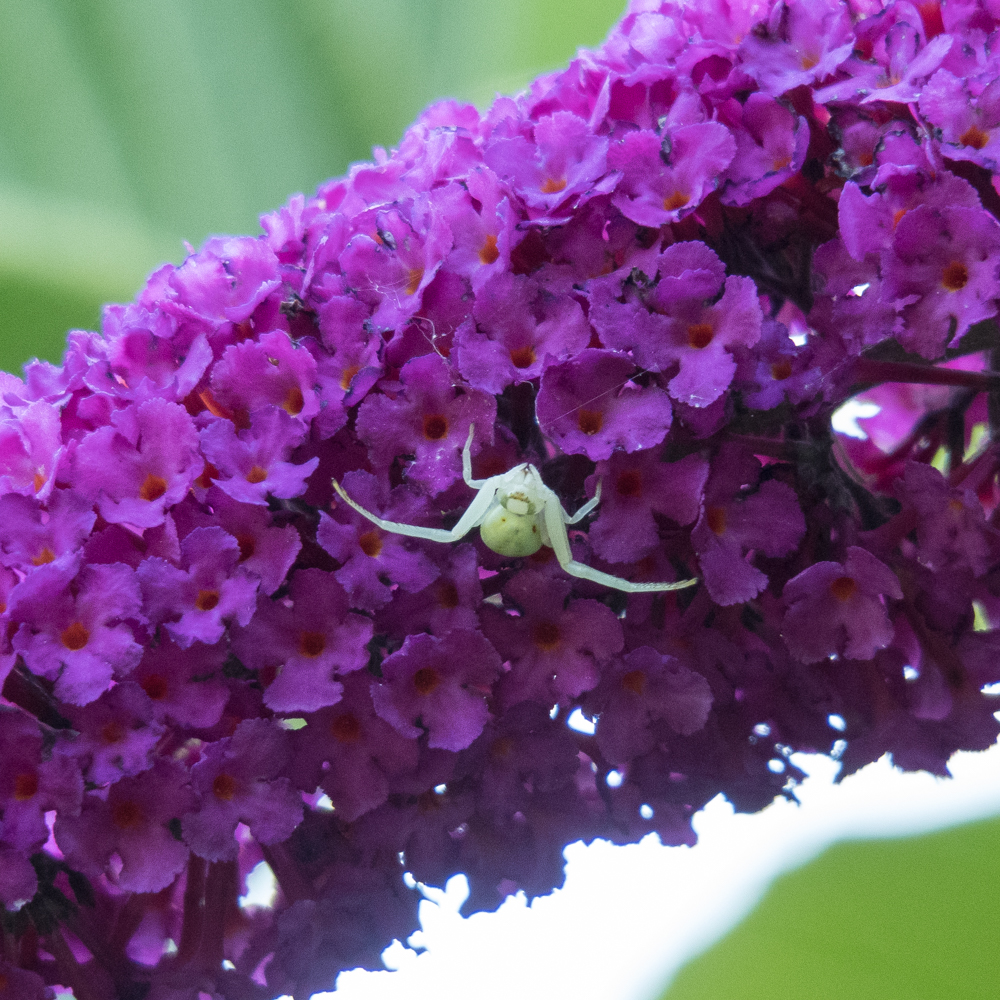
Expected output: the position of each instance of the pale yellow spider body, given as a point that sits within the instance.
(517, 514)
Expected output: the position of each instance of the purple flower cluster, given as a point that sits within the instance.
(660, 270)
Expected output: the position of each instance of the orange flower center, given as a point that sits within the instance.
(311, 644)
(347, 375)
(75, 636)
(224, 787)
(955, 277)
(975, 137)
(209, 473)
(522, 357)
(153, 487)
(126, 814)
(43, 557)
(155, 686)
(247, 544)
(25, 786)
(488, 252)
(843, 588)
(346, 728)
(435, 426)
(371, 543)
(700, 335)
(206, 600)
(634, 681)
(447, 594)
(546, 636)
(112, 733)
(589, 421)
(413, 278)
(426, 679)
(716, 518)
(629, 483)
(293, 401)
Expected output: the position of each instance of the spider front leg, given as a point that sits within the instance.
(467, 462)
(473, 515)
(586, 508)
(555, 526)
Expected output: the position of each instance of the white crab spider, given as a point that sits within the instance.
(516, 514)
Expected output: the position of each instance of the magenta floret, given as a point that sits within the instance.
(661, 270)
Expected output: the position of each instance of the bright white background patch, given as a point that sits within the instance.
(845, 417)
(628, 917)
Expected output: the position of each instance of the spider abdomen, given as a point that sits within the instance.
(511, 534)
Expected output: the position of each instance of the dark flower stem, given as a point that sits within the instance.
(870, 371)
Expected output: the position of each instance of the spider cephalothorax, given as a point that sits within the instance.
(517, 514)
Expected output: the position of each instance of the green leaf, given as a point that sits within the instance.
(901, 919)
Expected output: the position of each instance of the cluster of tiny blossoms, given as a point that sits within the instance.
(662, 270)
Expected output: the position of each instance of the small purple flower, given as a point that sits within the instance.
(771, 146)
(665, 178)
(301, 644)
(140, 464)
(352, 753)
(738, 520)
(132, 823)
(969, 125)
(522, 752)
(556, 648)
(394, 258)
(837, 609)
(429, 421)
(557, 160)
(272, 371)
(118, 734)
(224, 282)
(642, 688)
(32, 784)
(485, 235)
(72, 625)
(952, 532)
(679, 318)
(251, 465)
(634, 488)
(799, 44)
(519, 331)
(18, 884)
(267, 549)
(237, 781)
(944, 270)
(591, 406)
(371, 559)
(185, 686)
(31, 535)
(438, 685)
(195, 601)
(449, 602)
(30, 450)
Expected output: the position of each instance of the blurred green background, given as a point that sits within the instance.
(910, 919)
(129, 126)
